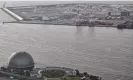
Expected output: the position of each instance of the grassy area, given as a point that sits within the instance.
(71, 78)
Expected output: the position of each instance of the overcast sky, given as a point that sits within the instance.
(47, 2)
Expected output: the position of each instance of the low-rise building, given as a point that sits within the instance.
(125, 13)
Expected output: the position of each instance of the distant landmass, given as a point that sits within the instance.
(89, 13)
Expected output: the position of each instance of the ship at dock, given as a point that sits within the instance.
(21, 66)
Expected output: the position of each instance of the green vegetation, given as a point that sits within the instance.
(71, 78)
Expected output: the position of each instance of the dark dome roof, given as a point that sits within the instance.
(21, 60)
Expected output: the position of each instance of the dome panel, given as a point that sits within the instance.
(21, 60)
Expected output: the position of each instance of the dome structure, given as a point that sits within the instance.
(21, 60)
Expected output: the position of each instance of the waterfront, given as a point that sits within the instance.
(78, 14)
(107, 52)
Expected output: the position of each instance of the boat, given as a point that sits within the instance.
(21, 66)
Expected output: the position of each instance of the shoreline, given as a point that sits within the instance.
(42, 23)
(19, 22)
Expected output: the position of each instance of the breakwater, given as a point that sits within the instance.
(12, 14)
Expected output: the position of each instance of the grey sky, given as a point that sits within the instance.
(26, 3)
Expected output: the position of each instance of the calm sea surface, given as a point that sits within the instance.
(107, 52)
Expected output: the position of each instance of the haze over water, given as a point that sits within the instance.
(107, 52)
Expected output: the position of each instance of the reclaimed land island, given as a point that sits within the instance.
(80, 14)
